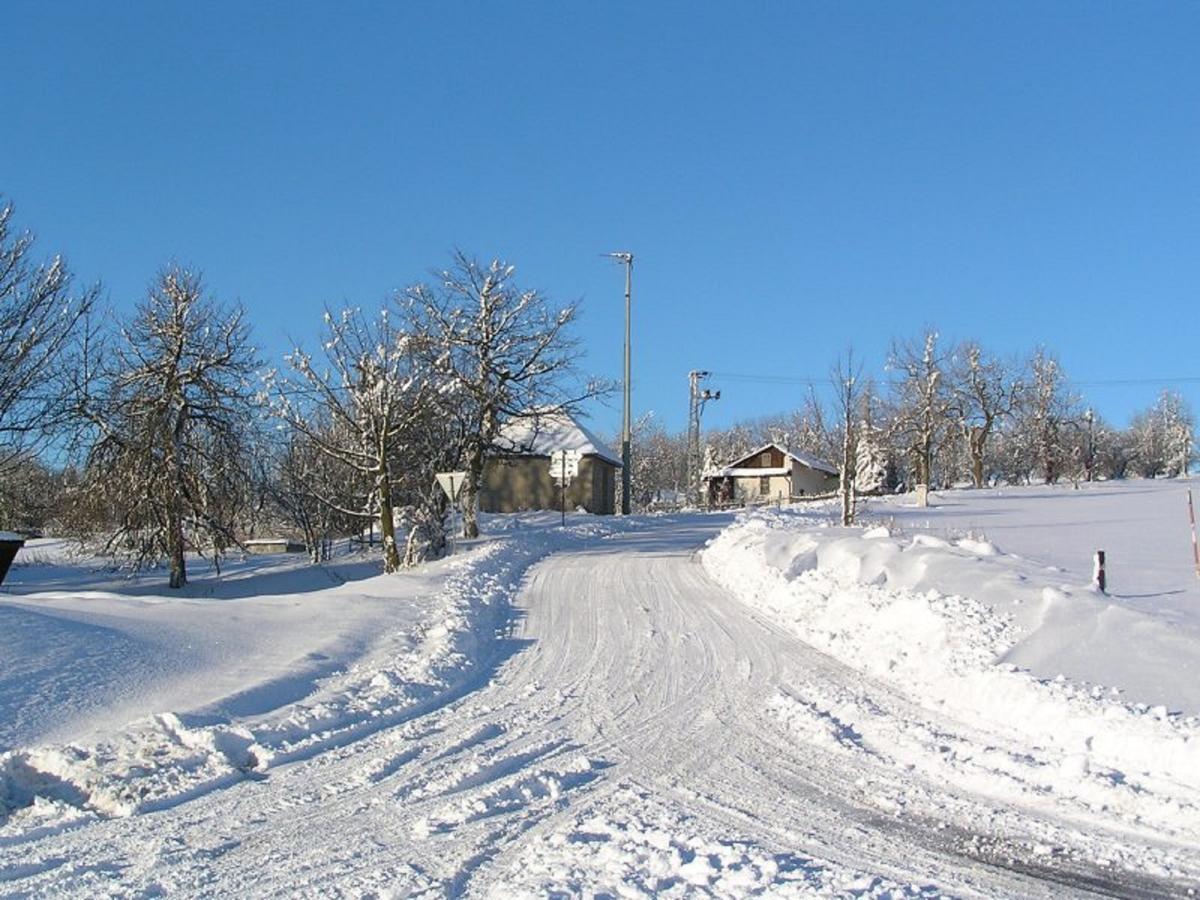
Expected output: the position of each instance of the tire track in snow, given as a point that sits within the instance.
(630, 743)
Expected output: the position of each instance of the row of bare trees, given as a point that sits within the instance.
(160, 434)
(424, 386)
(947, 415)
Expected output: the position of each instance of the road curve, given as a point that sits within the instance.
(637, 729)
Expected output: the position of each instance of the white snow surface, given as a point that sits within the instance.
(546, 433)
(1142, 525)
(605, 709)
(905, 611)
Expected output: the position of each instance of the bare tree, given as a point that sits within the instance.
(1048, 414)
(295, 478)
(504, 351)
(364, 409)
(873, 468)
(982, 391)
(845, 377)
(659, 469)
(724, 445)
(39, 308)
(1161, 437)
(168, 414)
(921, 401)
(30, 494)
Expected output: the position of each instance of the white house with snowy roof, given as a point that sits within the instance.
(517, 476)
(770, 472)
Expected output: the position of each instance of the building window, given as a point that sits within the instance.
(764, 485)
(765, 459)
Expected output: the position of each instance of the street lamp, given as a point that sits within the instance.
(625, 257)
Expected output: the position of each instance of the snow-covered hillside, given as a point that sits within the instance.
(714, 705)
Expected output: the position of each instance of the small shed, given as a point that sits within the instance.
(770, 472)
(517, 476)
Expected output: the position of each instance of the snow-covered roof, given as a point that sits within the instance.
(543, 433)
(805, 459)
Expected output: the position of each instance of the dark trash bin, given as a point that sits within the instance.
(9, 545)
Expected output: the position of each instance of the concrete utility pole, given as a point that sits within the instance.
(1089, 463)
(626, 452)
(696, 400)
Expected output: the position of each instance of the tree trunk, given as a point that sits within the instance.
(387, 522)
(470, 501)
(847, 484)
(437, 526)
(976, 441)
(924, 463)
(174, 511)
(314, 543)
(175, 549)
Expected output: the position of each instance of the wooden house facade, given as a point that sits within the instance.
(770, 473)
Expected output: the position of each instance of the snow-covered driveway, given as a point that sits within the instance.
(638, 729)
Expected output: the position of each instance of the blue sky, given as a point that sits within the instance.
(793, 177)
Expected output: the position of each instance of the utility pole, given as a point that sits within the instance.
(1090, 462)
(626, 452)
(696, 400)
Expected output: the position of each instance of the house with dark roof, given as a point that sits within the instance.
(770, 472)
(516, 475)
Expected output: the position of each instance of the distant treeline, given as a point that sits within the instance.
(163, 433)
(950, 415)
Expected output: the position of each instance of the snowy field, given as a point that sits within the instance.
(727, 705)
(88, 649)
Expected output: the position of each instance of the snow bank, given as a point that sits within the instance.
(942, 621)
(159, 761)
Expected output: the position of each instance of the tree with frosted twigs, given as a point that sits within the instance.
(1048, 417)
(365, 409)
(295, 481)
(504, 352)
(920, 418)
(1111, 448)
(166, 405)
(1161, 437)
(982, 393)
(872, 466)
(39, 310)
(722, 446)
(659, 463)
(846, 377)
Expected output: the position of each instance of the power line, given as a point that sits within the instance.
(1121, 382)
(822, 382)
(768, 379)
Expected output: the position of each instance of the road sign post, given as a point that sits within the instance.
(452, 484)
(564, 466)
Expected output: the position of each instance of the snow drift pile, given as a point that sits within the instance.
(972, 638)
(164, 759)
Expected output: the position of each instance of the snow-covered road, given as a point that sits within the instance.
(637, 729)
